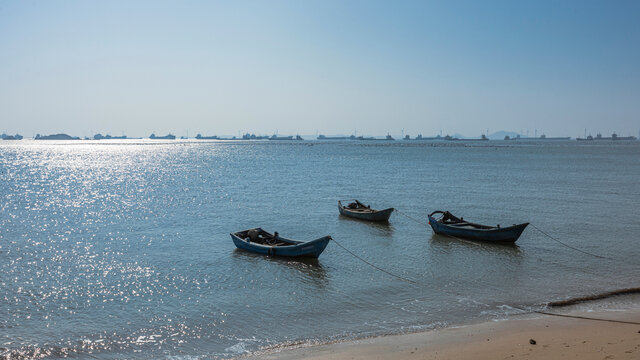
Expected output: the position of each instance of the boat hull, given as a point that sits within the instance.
(375, 215)
(311, 249)
(499, 235)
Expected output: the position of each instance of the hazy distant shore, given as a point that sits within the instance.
(530, 336)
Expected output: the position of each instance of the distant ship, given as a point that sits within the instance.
(166, 137)
(200, 137)
(388, 137)
(107, 137)
(276, 137)
(542, 137)
(322, 137)
(428, 138)
(56, 137)
(248, 136)
(613, 137)
(482, 138)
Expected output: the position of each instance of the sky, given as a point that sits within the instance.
(329, 67)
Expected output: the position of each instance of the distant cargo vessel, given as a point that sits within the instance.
(423, 138)
(200, 137)
(322, 137)
(482, 138)
(166, 137)
(107, 137)
(542, 137)
(276, 137)
(388, 137)
(248, 136)
(614, 137)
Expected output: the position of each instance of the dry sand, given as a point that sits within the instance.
(555, 338)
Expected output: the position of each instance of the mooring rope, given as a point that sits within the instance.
(374, 266)
(569, 246)
(410, 218)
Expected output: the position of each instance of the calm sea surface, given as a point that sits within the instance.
(121, 249)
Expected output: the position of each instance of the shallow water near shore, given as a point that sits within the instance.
(121, 249)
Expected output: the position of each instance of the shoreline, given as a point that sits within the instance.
(567, 335)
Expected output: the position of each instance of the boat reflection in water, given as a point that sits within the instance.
(310, 270)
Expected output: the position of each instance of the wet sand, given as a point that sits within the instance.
(554, 337)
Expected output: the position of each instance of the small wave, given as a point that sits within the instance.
(239, 348)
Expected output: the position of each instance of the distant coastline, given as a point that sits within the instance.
(497, 136)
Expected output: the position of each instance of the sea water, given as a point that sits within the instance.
(121, 249)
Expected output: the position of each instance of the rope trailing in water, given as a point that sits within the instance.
(576, 317)
(410, 218)
(569, 246)
(374, 266)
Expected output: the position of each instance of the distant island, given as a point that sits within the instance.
(11, 137)
(56, 137)
(499, 135)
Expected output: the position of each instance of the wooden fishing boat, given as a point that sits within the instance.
(262, 242)
(450, 225)
(358, 210)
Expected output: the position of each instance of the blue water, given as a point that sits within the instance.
(121, 249)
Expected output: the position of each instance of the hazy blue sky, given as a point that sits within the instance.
(331, 66)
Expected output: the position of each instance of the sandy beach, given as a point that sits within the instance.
(528, 337)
